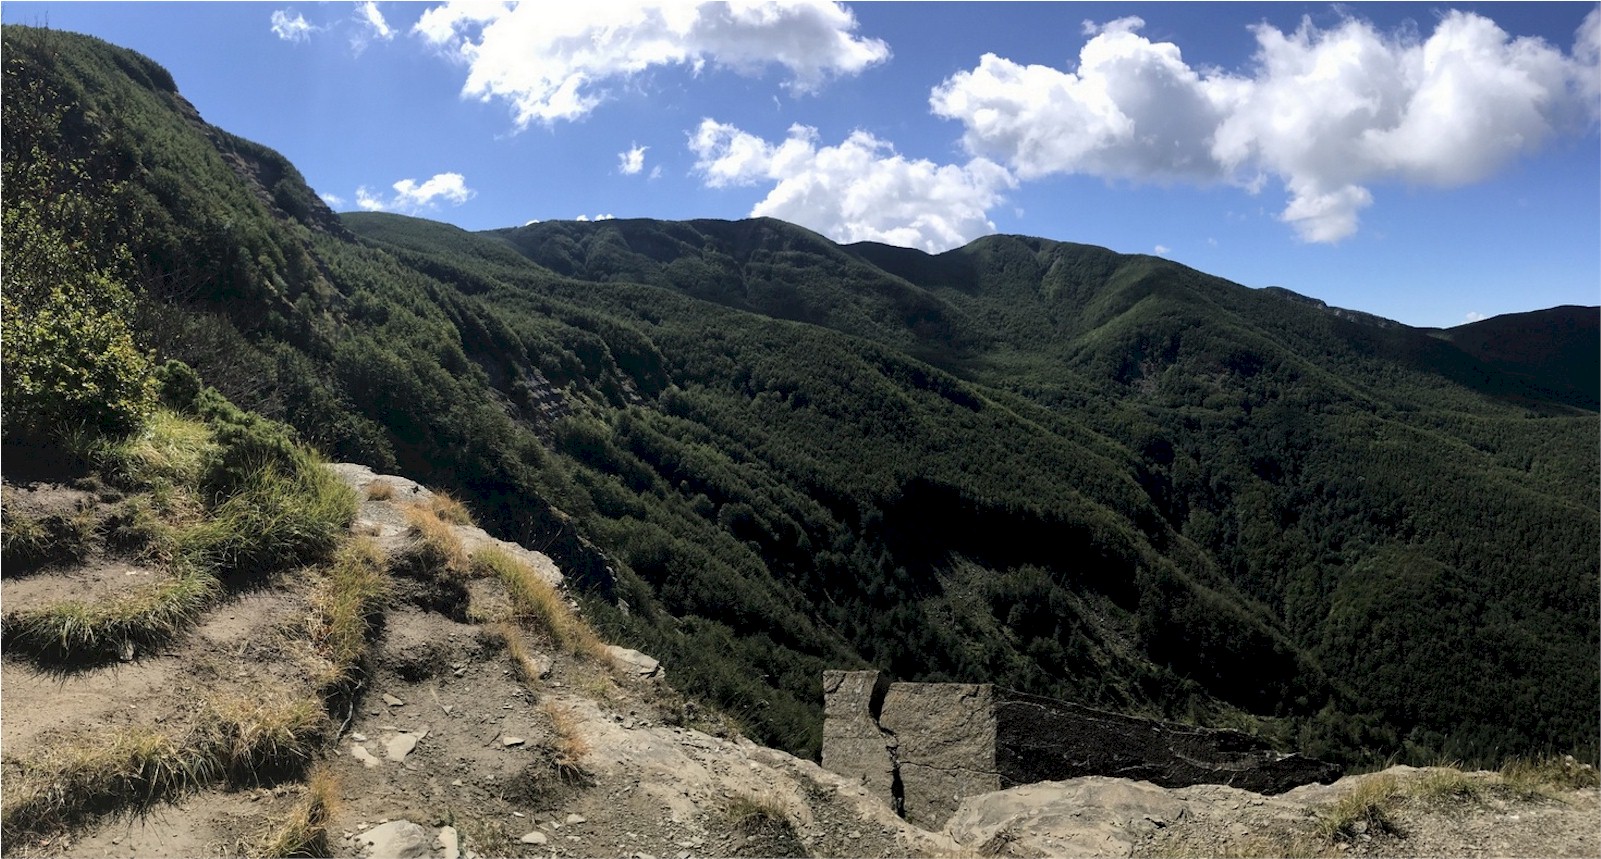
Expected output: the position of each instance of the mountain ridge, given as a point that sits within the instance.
(1107, 478)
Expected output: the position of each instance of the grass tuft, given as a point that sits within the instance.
(1363, 809)
(434, 547)
(536, 603)
(33, 542)
(1548, 775)
(344, 605)
(136, 768)
(170, 451)
(569, 745)
(75, 631)
(380, 490)
(304, 833)
(449, 509)
(250, 737)
(755, 814)
(522, 659)
(274, 520)
(1445, 782)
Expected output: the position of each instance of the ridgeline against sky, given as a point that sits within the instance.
(1376, 156)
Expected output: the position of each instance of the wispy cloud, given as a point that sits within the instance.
(552, 61)
(368, 14)
(333, 200)
(1326, 112)
(291, 28)
(369, 24)
(1162, 250)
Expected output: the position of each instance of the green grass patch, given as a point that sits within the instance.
(170, 450)
(275, 519)
(29, 543)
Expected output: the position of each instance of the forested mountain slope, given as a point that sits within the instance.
(1103, 477)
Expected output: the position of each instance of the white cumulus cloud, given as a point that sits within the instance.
(632, 161)
(291, 28)
(860, 190)
(1325, 112)
(1134, 109)
(412, 196)
(550, 61)
(586, 218)
(333, 200)
(1162, 250)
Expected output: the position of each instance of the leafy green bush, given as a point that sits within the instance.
(70, 355)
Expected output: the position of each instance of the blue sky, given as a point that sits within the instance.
(1429, 163)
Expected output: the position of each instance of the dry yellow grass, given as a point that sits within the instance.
(570, 745)
(1444, 782)
(53, 787)
(305, 831)
(1364, 808)
(536, 603)
(522, 659)
(752, 813)
(1549, 775)
(449, 509)
(380, 490)
(252, 736)
(351, 591)
(434, 543)
(133, 769)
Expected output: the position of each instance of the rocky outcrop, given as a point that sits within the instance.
(923, 747)
(854, 744)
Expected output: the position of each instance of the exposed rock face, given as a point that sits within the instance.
(946, 735)
(854, 744)
(923, 747)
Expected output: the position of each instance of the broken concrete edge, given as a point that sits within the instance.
(923, 747)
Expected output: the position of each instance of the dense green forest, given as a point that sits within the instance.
(759, 454)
